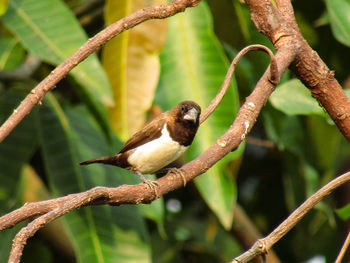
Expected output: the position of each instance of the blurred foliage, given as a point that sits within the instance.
(292, 151)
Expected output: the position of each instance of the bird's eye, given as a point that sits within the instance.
(183, 108)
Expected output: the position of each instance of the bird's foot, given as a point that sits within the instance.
(153, 185)
(179, 171)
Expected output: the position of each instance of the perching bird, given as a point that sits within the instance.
(159, 143)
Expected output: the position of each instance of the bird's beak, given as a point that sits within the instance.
(191, 115)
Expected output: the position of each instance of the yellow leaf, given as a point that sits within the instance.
(132, 65)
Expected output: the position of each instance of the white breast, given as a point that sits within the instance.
(156, 154)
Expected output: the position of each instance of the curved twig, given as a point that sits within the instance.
(264, 244)
(93, 44)
(343, 249)
(274, 77)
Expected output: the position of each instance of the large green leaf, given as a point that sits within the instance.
(16, 150)
(48, 29)
(339, 11)
(193, 66)
(99, 234)
(293, 98)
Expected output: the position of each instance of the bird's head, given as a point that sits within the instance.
(188, 111)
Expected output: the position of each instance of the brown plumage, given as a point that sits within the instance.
(158, 143)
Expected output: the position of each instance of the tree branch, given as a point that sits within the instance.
(279, 25)
(93, 44)
(135, 194)
(263, 245)
(49, 210)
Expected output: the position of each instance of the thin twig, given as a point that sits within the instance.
(343, 249)
(274, 77)
(264, 244)
(93, 44)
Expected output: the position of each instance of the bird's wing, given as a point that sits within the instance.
(151, 131)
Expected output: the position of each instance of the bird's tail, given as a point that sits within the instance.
(112, 160)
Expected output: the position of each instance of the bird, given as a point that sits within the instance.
(160, 142)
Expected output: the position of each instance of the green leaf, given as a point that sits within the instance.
(11, 53)
(325, 139)
(293, 98)
(243, 18)
(340, 20)
(285, 130)
(3, 6)
(344, 212)
(99, 234)
(193, 67)
(48, 29)
(16, 150)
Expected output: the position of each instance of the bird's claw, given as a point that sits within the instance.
(179, 171)
(153, 186)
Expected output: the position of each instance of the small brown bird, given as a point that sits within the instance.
(159, 143)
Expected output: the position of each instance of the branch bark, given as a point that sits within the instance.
(279, 25)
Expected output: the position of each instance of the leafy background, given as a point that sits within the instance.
(292, 151)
